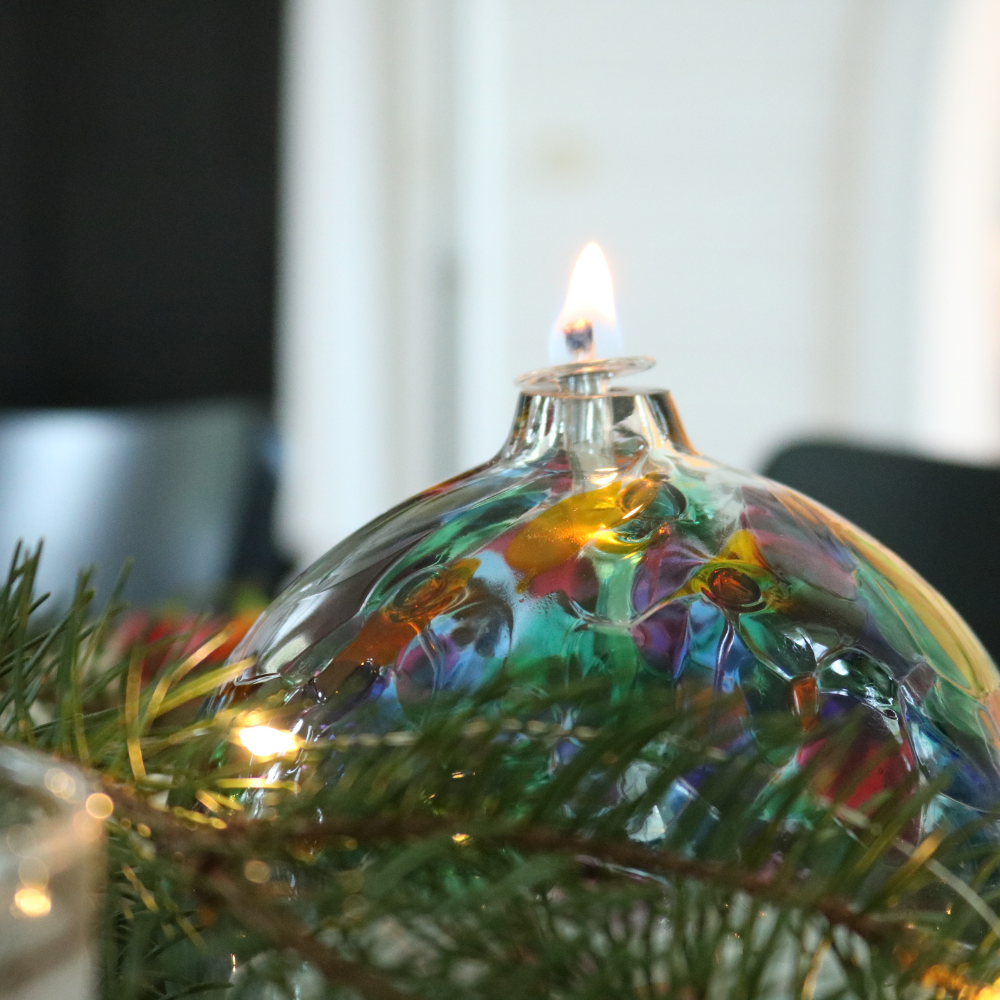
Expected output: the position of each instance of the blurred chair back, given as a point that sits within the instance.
(170, 486)
(941, 517)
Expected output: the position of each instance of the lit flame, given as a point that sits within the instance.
(263, 741)
(587, 327)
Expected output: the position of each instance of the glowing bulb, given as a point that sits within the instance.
(32, 902)
(263, 741)
(99, 805)
(587, 326)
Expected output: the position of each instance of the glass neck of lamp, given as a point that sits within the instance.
(571, 414)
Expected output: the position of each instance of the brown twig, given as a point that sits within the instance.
(619, 853)
(249, 836)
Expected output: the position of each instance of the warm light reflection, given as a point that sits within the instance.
(32, 902)
(58, 782)
(587, 326)
(264, 741)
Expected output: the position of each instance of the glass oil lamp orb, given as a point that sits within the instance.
(600, 541)
(51, 868)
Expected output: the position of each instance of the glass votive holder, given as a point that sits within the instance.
(51, 872)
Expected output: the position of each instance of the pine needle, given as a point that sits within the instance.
(133, 690)
(170, 677)
(199, 687)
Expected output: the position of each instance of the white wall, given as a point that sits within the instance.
(334, 349)
(774, 183)
(957, 370)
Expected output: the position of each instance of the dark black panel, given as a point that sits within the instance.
(941, 517)
(137, 204)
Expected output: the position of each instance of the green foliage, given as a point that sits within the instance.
(485, 852)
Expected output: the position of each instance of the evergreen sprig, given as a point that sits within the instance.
(506, 843)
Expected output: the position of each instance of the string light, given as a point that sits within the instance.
(265, 741)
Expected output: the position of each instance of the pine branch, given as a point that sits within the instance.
(452, 860)
(243, 838)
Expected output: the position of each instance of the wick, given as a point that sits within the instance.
(580, 339)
